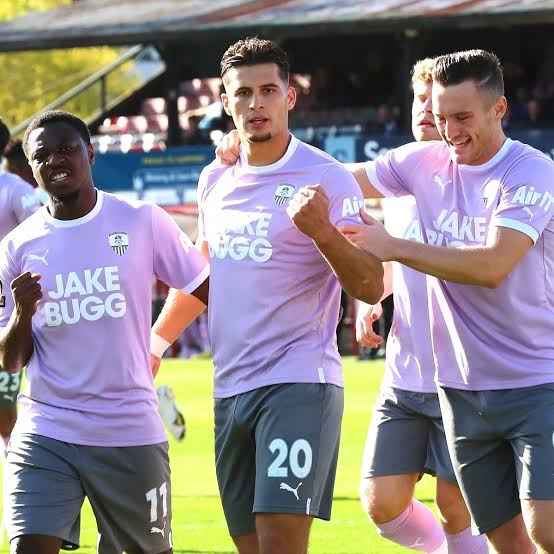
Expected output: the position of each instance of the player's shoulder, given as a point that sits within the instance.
(15, 185)
(30, 229)
(524, 156)
(130, 206)
(209, 176)
(317, 161)
(435, 150)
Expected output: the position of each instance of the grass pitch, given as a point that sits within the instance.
(198, 523)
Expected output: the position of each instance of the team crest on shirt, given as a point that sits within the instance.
(119, 242)
(283, 193)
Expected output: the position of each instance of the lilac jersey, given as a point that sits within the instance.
(18, 200)
(409, 361)
(484, 338)
(89, 379)
(274, 301)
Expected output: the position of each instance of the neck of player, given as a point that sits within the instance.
(73, 206)
(494, 147)
(268, 151)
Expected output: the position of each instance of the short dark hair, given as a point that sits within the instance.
(479, 66)
(14, 152)
(255, 51)
(4, 136)
(56, 116)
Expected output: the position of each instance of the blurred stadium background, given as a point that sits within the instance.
(148, 86)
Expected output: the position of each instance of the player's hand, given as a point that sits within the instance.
(364, 325)
(228, 149)
(26, 293)
(309, 211)
(155, 363)
(371, 237)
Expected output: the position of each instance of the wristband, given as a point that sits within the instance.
(158, 345)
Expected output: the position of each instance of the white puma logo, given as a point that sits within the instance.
(39, 258)
(161, 531)
(418, 542)
(285, 487)
(438, 180)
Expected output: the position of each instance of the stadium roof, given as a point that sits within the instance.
(120, 22)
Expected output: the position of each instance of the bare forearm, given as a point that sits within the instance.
(16, 343)
(359, 173)
(468, 266)
(359, 273)
(179, 311)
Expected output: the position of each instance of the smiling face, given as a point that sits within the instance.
(60, 160)
(423, 123)
(469, 121)
(258, 100)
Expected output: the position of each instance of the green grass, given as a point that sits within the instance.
(198, 523)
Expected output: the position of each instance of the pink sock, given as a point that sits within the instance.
(416, 528)
(466, 543)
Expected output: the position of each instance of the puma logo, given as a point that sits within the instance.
(285, 487)
(39, 258)
(161, 531)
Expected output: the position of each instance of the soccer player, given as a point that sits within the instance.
(17, 202)
(15, 162)
(277, 262)
(486, 209)
(406, 437)
(77, 279)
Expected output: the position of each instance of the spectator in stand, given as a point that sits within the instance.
(534, 113)
(519, 114)
(193, 135)
(387, 119)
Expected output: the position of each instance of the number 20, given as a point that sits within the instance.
(277, 469)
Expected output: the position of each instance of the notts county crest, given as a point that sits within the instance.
(119, 242)
(283, 194)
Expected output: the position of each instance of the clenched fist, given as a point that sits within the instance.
(309, 211)
(26, 293)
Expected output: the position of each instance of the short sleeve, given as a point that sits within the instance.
(176, 261)
(24, 199)
(392, 173)
(8, 272)
(345, 196)
(526, 202)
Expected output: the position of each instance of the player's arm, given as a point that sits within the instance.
(179, 264)
(360, 273)
(367, 314)
(179, 311)
(16, 339)
(485, 266)
(359, 172)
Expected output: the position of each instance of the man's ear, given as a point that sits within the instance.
(291, 97)
(225, 102)
(91, 154)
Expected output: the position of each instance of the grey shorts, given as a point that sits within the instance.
(46, 481)
(406, 436)
(276, 451)
(10, 383)
(501, 442)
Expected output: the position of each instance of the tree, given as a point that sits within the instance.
(33, 79)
